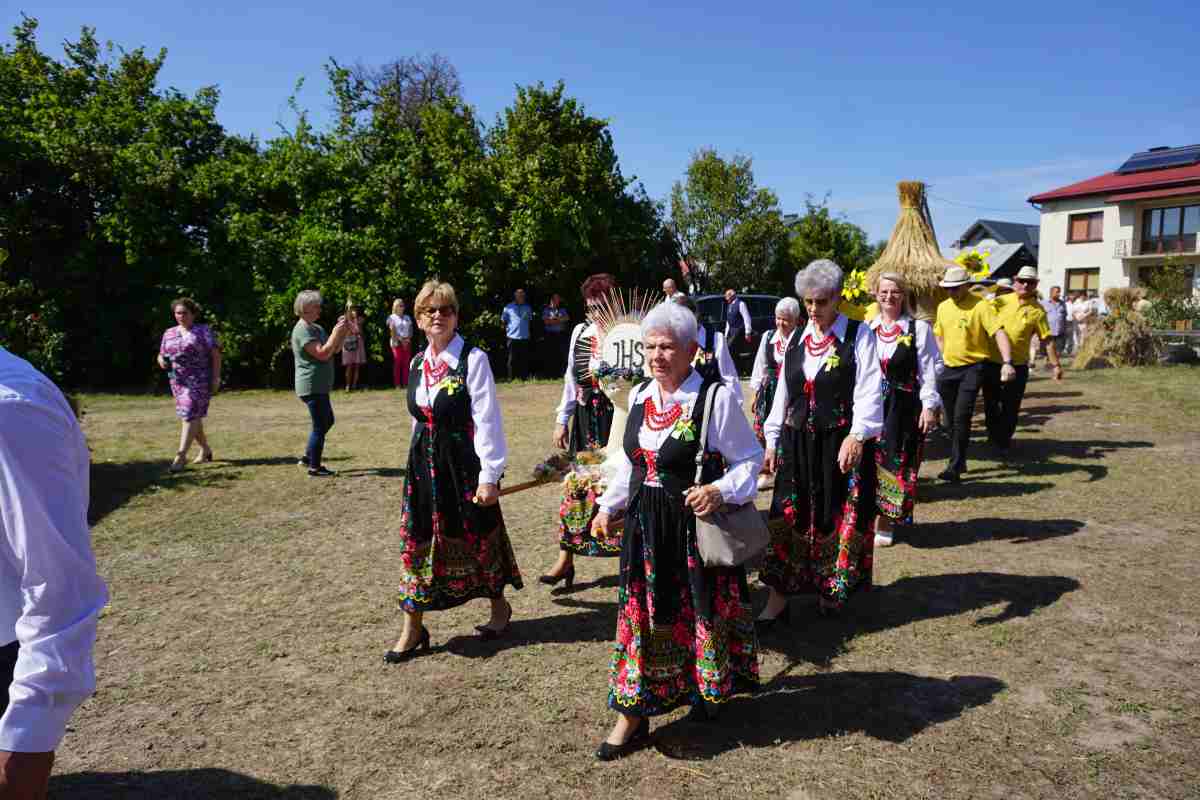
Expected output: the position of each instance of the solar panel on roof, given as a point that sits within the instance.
(1161, 159)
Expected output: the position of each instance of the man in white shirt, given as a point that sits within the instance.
(670, 290)
(50, 594)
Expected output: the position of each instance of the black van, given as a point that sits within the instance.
(711, 308)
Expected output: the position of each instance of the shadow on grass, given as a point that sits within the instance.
(819, 640)
(1017, 531)
(379, 472)
(196, 784)
(594, 623)
(113, 485)
(972, 488)
(890, 706)
(1051, 395)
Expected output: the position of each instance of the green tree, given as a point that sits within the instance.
(820, 234)
(727, 225)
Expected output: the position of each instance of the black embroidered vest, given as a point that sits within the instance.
(826, 403)
(675, 462)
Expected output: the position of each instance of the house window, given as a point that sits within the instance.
(1084, 280)
(1085, 227)
(1170, 230)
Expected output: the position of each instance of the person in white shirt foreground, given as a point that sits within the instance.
(50, 594)
(827, 409)
(685, 632)
(454, 546)
(909, 362)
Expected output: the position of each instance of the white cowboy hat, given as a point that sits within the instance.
(1028, 273)
(1003, 286)
(955, 276)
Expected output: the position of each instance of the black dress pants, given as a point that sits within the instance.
(959, 387)
(8, 663)
(1002, 403)
(518, 359)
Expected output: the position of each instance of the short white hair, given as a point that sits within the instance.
(672, 318)
(822, 277)
(788, 307)
(308, 297)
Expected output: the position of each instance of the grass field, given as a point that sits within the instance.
(1036, 636)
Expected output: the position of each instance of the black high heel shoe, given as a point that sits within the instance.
(567, 575)
(489, 634)
(400, 656)
(764, 624)
(639, 739)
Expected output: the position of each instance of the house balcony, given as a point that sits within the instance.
(1185, 245)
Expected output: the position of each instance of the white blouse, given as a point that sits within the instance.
(929, 357)
(867, 418)
(768, 339)
(401, 326)
(725, 365)
(566, 403)
(728, 433)
(490, 444)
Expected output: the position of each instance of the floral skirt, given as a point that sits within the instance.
(575, 516)
(451, 550)
(191, 399)
(897, 490)
(828, 545)
(685, 632)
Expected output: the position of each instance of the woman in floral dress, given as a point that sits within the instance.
(589, 413)
(191, 355)
(454, 547)
(685, 632)
(826, 411)
(909, 363)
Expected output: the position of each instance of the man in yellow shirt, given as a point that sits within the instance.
(965, 328)
(1021, 316)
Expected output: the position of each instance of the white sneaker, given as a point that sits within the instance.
(883, 539)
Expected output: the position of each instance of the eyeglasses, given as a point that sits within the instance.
(889, 293)
(445, 311)
(1027, 281)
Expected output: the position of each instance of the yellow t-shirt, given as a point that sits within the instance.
(1020, 319)
(966, 328)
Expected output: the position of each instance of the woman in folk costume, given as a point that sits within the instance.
(909, 361)
(768, 364)
(685, 632)
(453, 544)
(590, 413)
(827, 409)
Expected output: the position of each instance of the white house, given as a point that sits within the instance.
(1108, 230)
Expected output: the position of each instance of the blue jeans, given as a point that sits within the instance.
(321, 411)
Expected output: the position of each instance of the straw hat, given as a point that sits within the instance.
(955, 276)
(1004, 285)
(1027, 274)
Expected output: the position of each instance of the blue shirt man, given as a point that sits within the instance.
(515, 318)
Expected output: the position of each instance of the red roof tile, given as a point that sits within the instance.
(1174, 191)
(1114, 182)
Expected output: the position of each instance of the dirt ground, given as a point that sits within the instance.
(1035, 636)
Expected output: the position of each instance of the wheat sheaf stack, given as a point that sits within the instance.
(912, 252)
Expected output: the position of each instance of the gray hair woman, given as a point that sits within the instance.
(826, 411)
(769, 361)
(313, 353)
(685, 633)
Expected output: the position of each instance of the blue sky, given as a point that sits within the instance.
(987, 102)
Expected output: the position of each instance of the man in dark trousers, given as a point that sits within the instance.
(50, 594)
(516, 318)
(738, 330)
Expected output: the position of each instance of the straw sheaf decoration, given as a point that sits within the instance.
(912, 251)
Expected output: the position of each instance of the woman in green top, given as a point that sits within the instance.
(314, 373)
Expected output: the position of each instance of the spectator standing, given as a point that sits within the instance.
(400, 335)
(50, 594)
(313, 353)
(670, 290)
(1056, 316)
(738, 330)
(354, 349)
(1084, 312)
(516, 317)
(556, 322)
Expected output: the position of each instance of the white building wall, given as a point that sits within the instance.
(1056, 256)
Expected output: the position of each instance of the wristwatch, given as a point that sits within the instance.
(858, 437)
(1008, 363)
